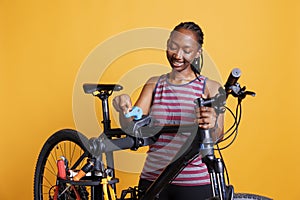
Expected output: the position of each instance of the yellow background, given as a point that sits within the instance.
(44, 43)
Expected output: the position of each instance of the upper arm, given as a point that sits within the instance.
(145, 99)
(211, 90)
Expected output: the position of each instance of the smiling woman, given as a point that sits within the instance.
(169, 99)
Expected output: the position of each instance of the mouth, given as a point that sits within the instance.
(177, 63)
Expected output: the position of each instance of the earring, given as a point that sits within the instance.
(196, 61)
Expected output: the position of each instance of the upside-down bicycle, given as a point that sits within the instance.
(72, 167)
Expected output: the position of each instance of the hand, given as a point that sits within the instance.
(206, 117)
(122, 103)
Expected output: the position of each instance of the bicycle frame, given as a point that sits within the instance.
(199, 138)
(70, 183)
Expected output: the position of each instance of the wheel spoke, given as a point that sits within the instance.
(70, 146)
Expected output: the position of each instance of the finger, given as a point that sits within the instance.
(207, 109)
(128, 106)
(116, 104)
(204, 126)
(207, 114)
(125, 108)
(201, 112)
(197, 113)
(126, 103)
(204, 109)
(204, 120)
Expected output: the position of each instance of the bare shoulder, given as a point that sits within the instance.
(151, 82)
(212, 87)
(149, 86)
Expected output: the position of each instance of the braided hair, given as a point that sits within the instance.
(196, 65)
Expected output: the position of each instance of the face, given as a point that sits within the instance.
(182, 49)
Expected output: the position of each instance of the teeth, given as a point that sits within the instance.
(178, 63)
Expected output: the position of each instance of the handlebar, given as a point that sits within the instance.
(139, 132)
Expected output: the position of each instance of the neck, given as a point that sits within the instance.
(181, 78)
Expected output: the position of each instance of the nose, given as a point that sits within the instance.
(178, 54)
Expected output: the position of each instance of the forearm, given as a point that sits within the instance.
(122, 103)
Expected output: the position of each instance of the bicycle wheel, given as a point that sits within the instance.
(245, 196)
(70, 144)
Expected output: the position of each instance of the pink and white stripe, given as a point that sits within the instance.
(174, 104)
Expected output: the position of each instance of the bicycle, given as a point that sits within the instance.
(71, 166)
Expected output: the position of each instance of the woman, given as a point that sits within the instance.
(169, 100)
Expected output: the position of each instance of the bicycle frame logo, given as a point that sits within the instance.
(100, 67)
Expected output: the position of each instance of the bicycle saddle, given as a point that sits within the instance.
(90, 88)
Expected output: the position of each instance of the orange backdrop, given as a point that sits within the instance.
(45, 44)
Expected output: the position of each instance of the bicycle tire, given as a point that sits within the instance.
(68, 143)
(246, 196)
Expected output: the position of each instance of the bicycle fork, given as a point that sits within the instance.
(215, 167)
(216, 172)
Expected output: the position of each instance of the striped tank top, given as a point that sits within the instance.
(174, 104)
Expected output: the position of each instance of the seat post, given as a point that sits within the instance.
(106, 117)
(105, 109)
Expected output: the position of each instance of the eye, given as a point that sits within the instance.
(172, 47)
(187, 52)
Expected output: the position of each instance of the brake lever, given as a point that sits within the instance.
(133, 130)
